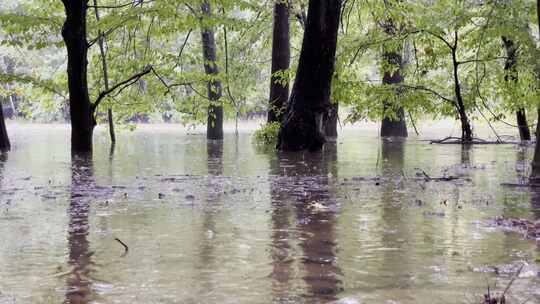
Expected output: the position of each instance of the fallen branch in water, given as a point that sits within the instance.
(438, 179)
(476, 141)
(525, 185)
(126, 248)
(491, 299)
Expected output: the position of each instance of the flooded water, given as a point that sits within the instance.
(230, 223)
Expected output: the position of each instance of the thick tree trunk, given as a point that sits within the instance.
(466, 129)
(214, 127)
(81, 113)
(535, 174)
(523, 125)
(303, 122)
(331, 121)
(512, 75)
(393, 122)
(101, 42)
(281, 60)
(4, 138)
(393, 125)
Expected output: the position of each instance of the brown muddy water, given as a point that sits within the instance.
(229, 223)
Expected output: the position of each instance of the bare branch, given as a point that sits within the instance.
(121, 85)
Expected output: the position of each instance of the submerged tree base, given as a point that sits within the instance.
(302, 131)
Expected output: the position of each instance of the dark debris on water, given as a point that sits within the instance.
(528, 228)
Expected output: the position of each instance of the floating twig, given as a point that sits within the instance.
(126, 248)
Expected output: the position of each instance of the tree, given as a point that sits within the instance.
(303, 122)
(4, 139)
(281, 59)
(535, 173)
(82, 111)
(214, 126)
(105, 68)
(393, 122)
(80, 108)
(512, 76)
(331, 118)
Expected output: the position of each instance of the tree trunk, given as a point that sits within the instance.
(281, 59)
(81, 113)
(512, 75)
(4, 139)
(393, 126)
(466, 129)
(331, 121)
(214, 127)
(303, 122)
(535, 173)
(523, 125)
(101, 42)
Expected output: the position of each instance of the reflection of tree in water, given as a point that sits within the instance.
(282, 261)
(82, 183)
(535, 202)
(304, 181)
(3, 160)
(521, 165)
(207, 247)
(394, 217)
(466, 151)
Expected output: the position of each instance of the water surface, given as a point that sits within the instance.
(230, 223)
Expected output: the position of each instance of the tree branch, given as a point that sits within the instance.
(440, 38)
(122, 85)
(422, 88)
(133, 3)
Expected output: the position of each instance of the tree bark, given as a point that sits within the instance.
(4, 138)
(302, 126)
(393, 126)
(281, 60)
(535, 172)
(512, 75)
(81, 113)
(331, 121)
(523, 125)
(101, 42)
(214, 127)
(466, 129)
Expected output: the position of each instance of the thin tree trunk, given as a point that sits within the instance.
(101, 42)
(535, 173)
(81, 113)
(214, 127)
(281, 59)
(302, 126)
(512, 75)
(4, 138)
(466, 130)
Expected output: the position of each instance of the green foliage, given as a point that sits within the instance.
(267, 135)
(166, 35)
